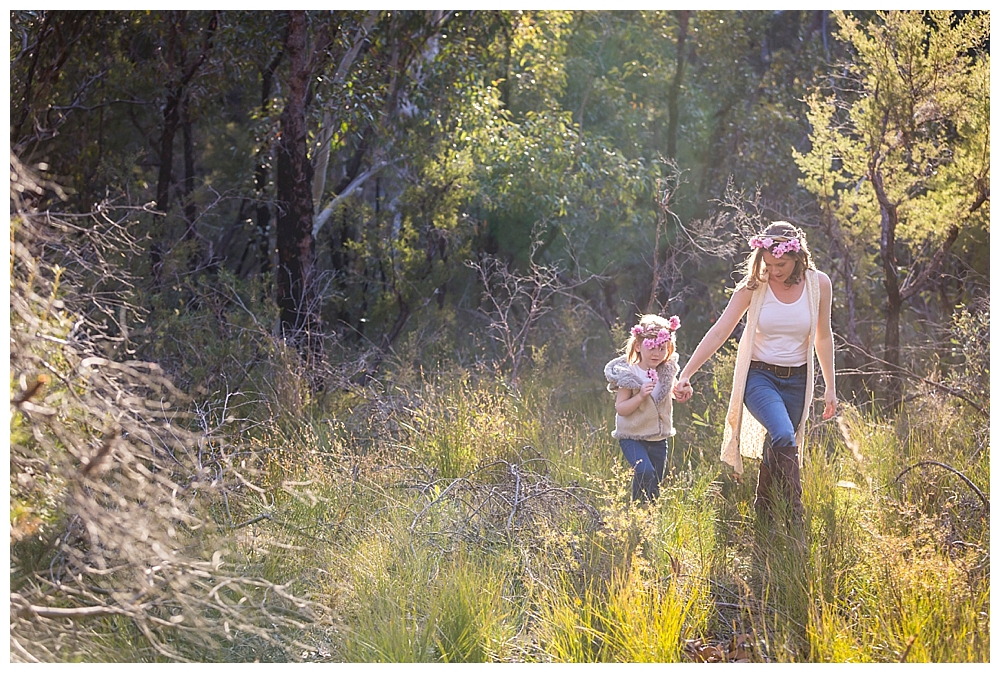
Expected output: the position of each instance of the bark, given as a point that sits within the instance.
(165, 177)
(172, 109)
(327, 129)
(294, 226)
(889, 219)
(190, 210)
(673, 96)
(299, 314)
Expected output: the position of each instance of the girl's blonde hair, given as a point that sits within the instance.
(778, 232)
(649, 327)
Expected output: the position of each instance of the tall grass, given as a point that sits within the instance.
(451, 517)
(495, 525)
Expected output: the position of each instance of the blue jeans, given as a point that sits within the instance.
(647, 460)
(777, 403)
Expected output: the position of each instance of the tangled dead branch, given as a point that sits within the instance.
(112, 491)
(497, 501)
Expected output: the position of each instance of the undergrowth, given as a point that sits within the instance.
(381, 512)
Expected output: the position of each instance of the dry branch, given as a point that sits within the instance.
(975, 489)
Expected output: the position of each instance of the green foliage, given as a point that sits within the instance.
(899, 166)
(406, 492)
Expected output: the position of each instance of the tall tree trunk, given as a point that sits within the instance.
(171, 118)
(890, 280)
(328, 127)
(673, 96)
(190, 210)
(298, 315)
(176, 93)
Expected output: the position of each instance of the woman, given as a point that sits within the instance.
(787, 302)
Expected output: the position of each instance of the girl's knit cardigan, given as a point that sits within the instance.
(742, 434)
(653, 420)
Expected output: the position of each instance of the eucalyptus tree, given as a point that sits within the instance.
(364, 88)
(717, 94)
(900, 155)
(61, 64)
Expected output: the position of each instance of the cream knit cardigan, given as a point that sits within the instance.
(743, 435)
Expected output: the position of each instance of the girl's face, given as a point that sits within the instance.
(652, 357)
(778, 268)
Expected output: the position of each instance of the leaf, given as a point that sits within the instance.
(740, 647)
(697, 650)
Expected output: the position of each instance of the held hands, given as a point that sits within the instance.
(683, 390)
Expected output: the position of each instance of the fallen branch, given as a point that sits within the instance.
(73, 613)
(968, 481)
(898, 370)
(252, 521)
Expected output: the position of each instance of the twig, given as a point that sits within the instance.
(74, 613)
(909, 645)
(897, 369)
(517, 493)
(252, 521)
(968, 481)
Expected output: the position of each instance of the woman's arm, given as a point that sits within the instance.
(713, 340)
(824, 344)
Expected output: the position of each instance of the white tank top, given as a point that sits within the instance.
(782, 331)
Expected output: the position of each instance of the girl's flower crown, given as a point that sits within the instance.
(778, 250)
(659, 337)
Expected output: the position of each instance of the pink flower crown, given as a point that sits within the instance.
(778, 250)
(662, 336)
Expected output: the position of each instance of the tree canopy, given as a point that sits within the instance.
(353, 161)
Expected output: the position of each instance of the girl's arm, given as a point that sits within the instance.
(824, 345)
(713, 340)
(628, 400)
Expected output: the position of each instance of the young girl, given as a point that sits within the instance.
(642, 380)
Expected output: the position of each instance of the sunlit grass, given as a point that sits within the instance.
(418, 550)
(425, 544)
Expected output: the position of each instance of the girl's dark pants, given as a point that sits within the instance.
(777, 402)
(647, 460)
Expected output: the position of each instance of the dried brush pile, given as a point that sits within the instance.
(115, 548)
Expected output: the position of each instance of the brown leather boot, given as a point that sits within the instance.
(786, 464)
(763, 501)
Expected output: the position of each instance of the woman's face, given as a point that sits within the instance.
(778, 268)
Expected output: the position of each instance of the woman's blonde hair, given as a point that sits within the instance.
(649, 327)
(779, 232)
